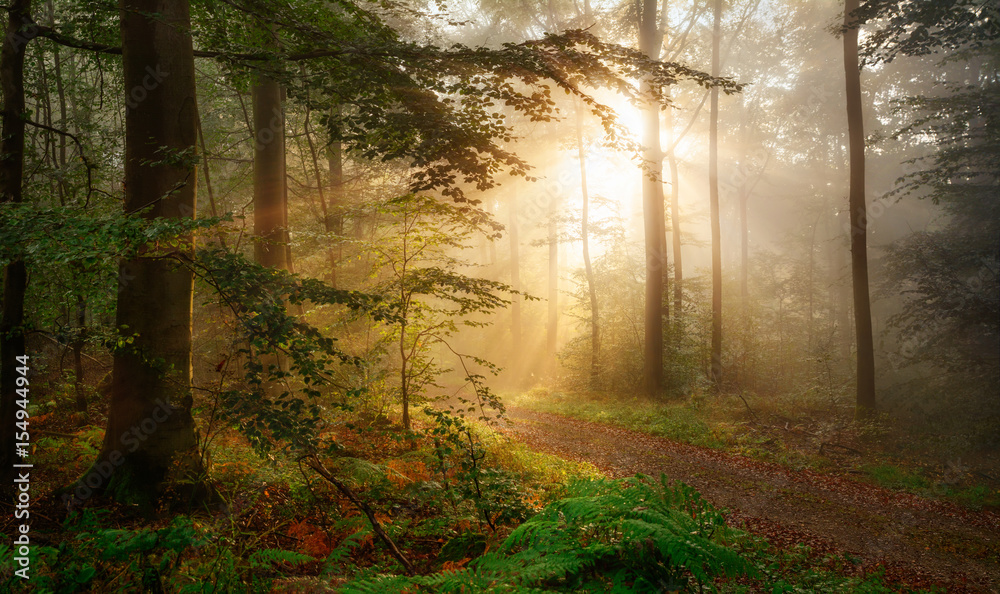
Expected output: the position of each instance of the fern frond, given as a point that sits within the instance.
(269, 558)
(628, 535)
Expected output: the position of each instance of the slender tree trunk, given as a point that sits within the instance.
(865, 404)
(15, 278)
(150, 437)
(270, 225)
(208, 178)
(490, 208)
(335, 163)
(713, 187)
(61, 93)
(79, 340)
(744, 251)
(595, 331)
(331, 256)
(665, 266)
(551, 341)
(515, 282)
(675, 223)
(650, 42)
(810, 288)
(404, 358)
(842, 288)
(43, 109)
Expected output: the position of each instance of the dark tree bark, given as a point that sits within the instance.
(865, 400)
(650, 42)
(150, 439)
(15, 278)
(713, 187)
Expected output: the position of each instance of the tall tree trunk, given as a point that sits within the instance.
(270, 225)
(150, 437)
(713, 193)
(490, 207)
(551, 337)
(650, 42)
(79, 340)
(865, 403)
(810, 288)
(331, 256)
(270, 190)
(15, 278)
(515, 283)
(665, 265)
(335, 163)
(208, 178)
(675, 224)
(61, 93)
(744, 250)
(595, 328)
(842, 289)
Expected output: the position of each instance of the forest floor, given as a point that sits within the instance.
(921, 542)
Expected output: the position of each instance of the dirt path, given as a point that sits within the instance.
(918, 541)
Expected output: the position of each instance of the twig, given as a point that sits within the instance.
(749, 410)
(45, 335)
(83, 157)
(314, 463)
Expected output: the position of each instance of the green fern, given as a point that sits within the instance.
(270, 558)
(629, 535)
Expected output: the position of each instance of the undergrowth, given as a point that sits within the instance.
(476, 512)
(552, 526)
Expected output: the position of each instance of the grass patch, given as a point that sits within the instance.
(674, 420)
(896, 477)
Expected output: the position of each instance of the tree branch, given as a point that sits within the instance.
(313, 462)
(83, 157)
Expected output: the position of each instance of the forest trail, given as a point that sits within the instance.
(918, 541)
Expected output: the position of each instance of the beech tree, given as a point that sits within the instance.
(713, 189)
(865, 398)
(150, 437)
(650, 43)
(595, 320)
(269, 195)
